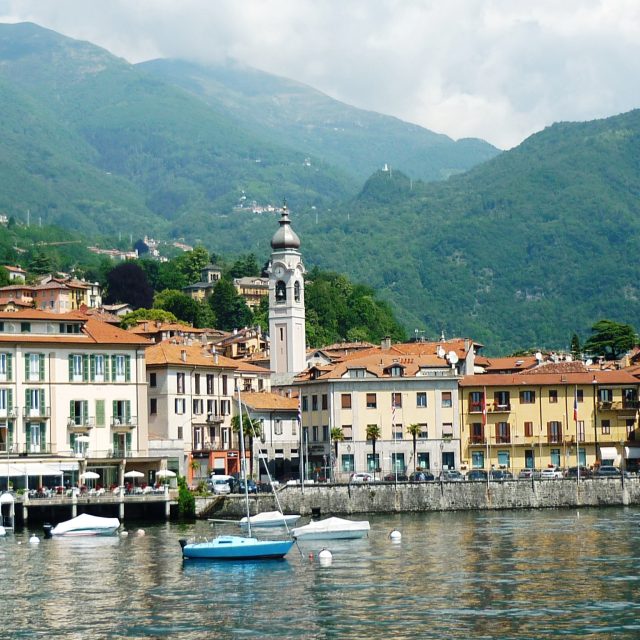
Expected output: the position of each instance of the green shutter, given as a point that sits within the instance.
(114, 413)
(10, 434)
(9, 400)
(85, 368)
(9, 367)
(43, 436)
(128, 440)
(42, 407)
(71, 368)
(72, 440)
(99, 413)
(127, 368)
(41, 367)
(72, 412)
(127, 410)
(113, 368)
(27, 366)
(85, 412)
(27, 399)
(106, 368)
(92, 365)
(115, 442)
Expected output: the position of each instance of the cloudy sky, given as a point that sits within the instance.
(495, 69)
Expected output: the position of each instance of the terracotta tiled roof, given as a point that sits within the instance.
(150, 326)
(558, 367)
(37, 314)
(509, 363)
(269, 401)
(525, 379)
(167, 352)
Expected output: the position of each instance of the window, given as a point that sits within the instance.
(121, 412)
(305, 403)
(421, 399)
(180, 406)
(314, 403)
(180, 433)
(373, 462)
(6, 367)
(356, 373)
(196, 384)
(100, 414)
(447, 430)
(347, 432)
(79, 412)
(504, 459)
(372, 403)
(396, 400)
(209, 384)
(277, 427)
(34, 401)
(553, 395)
(631, 427)
(581, 434)
(424, 431)
(347, 462)
(153, 406)
(25, 327)
(325, 433)
(180, 382)
(281, 291)
(477, 459)
(527, 397)
(423, 460)
(446, 399)
(397, 432)
(555, 457)
(225, 407)
(315, 433)
(606, 427)
(475, 401)
(34, 367)
(528, 429)
(503, 433)
(580, 395)
(396, 371)
(554, 431)
(198, 406)
(77, 368)
(98, 368)
(345, 401)
(502, 400)
(477, 433)
(325, 401)
(212, 409)
(296, 291)
(121, 368)
(224, 385)
(605, 395)
(629, 398)
(153, 382)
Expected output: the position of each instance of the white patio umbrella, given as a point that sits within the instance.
(165, 473)
(89, 475)
(133, 474)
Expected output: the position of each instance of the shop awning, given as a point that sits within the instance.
(632, 452)
(36, 468)
(608, 453)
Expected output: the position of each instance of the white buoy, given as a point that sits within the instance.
(3, 531)
(124, 533)
(34, 540)
(325, 557)
(395, 536)
(140, 532)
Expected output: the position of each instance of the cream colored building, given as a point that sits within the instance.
(72, 393)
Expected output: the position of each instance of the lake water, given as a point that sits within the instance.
(520, 574)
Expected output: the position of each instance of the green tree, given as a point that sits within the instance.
(40, 263)
(337, 435)
(185, 308)
(4, 277)
(127, 282)
(156, 315)
(610, 339)
(414, 430)
(576, 351)
(245, 266)
(251, 429)
(230, 309)
(373, 433)
(191, 264)
(186, 500)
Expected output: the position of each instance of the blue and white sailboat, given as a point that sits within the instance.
(237, 547)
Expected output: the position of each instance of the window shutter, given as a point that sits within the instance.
(85, 368)
(127, 410)
(42, 407)
(9, 399)
(128, 440)
(114, 441)
(106, 368)
(72, 440)
(497, 432)
(27, 399)
(9, 367)
(92, 367)
(10, 434)
(127, 368)
(508, 434)
(41, 367)
(114, 410)
(72, 410)
(99, 413)
(549, 431)
(27, 366)
(71, 368)
(43, 436)
(85, 411)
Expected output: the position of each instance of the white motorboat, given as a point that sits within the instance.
(84, 525)
(332, 529)
(270, 519)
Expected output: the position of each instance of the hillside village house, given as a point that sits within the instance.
(252, 289)
(209, 277)
(72, 396)
(55, 295)
(529, 419)
(390, 387)
(192, 391)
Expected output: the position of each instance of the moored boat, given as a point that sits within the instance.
(236, 548)
(84, 525)
(332, 529)
(270, 519)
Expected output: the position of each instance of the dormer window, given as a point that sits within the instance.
(396, 371)
(281, 291)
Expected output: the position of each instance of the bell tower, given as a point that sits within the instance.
(286, 304)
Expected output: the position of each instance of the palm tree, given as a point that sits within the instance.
(337, 435)
(251, 429)
(415, 430)
(373, 434)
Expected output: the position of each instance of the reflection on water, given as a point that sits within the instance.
(454, 575)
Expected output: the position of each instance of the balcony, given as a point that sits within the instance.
(35, 414)
(475, 407)
(213, 418)
(24, 450)
(477, 440)
(205, 447)
(10, 413)
(554, 439)
(499, 408)
(80, 424)
(123, 424)
(618, 405)
(503, 439)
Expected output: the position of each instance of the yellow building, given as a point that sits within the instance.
(548, 417)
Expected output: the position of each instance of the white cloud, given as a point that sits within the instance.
(495, 69)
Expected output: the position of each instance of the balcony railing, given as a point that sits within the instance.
(477, 440)
(25, 449)
(475, 407)
(36, 414)
(80, 423)
(499, 408)
(503, 439)
(9, 414)
(618, 405)
(123, 423)
(554, 439)
(214, 417)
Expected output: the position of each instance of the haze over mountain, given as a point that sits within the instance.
(520, 251)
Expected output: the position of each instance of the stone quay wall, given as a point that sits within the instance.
(339, 499)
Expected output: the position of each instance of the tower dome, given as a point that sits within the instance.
(285, 237)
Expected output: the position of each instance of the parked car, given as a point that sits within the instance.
(551, 473)
(392, 477)
(219, 486)
(572, 472)
(476, 475)
(238, 487)
(361, 477)
(451, 475)
(607, 471)
(421, 476)
(528, 474)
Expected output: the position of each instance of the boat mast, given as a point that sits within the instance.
(243, 461)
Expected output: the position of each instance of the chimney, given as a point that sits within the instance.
(386, 343)
(183, 355)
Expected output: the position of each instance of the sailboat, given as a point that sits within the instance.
(237, 547)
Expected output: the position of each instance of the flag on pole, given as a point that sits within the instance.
(484, 406)
(575, 405)
(299, 413)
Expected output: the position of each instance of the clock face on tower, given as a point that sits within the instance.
(279, 271)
